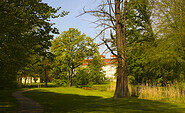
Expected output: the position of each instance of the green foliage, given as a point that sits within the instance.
(96, 72)
(92, 74)
(156, 56)
(25, 29)
(139, 23)
(82, 77)
(167, 52)
(70, 49)
(61, 82)
(139, 35)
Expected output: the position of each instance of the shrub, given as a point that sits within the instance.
(81, 77)
(61, 82)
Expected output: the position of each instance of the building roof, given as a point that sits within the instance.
(105, 61)
(102, 56)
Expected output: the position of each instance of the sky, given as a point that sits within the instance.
(82, 23)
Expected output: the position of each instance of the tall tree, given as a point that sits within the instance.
(25, 29)
(166, 56)
(96, 72)
(139, 33)
(71, 48)
(122, 82)
(114, 18)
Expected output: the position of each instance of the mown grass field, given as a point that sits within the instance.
(64, 99)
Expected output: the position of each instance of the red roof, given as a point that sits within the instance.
(85, 62)
(108, 61)
(105, 62)
(102, 56)
(113, 56)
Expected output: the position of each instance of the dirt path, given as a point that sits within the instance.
(27, 105)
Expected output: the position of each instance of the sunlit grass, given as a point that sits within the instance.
(78, 91)
(65, 99)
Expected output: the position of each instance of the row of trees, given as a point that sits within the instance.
(158, 56)
(64, 62)
(25, 41)
(146, 36)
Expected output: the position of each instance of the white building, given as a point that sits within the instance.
(109, 66)
(30, 80)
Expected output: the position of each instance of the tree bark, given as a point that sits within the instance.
(70, 84)
(46, 78)
(31, 80)
(25, 80)
(164, 79)
(122, 83)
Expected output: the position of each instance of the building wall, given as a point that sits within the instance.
(110, 70)
(30, 79)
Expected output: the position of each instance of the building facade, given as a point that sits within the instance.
(109, 66)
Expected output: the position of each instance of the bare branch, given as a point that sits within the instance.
(110, 7)
(101, 32)
(105, 42)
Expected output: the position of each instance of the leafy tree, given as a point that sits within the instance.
(139, 35)
(91, 74)
(38, 66)
(165, 57)
(96, 72)
(25, 29)
(59, 72)
(71, 48)
(82, 77)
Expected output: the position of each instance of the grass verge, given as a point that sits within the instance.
(64, 99)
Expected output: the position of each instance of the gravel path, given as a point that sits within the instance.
(27, 105)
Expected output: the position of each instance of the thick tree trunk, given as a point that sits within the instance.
(122, 83)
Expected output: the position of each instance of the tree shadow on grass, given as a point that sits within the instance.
(57, 102)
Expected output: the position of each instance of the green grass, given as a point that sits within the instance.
(63, 99)
(8, 104)
(35, 85)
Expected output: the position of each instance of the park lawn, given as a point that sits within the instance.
(65, 99)
(8, 104)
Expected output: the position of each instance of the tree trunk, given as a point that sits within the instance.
(164, 79)
(25, 80)
(31, 80)
(122, 83)
(46, 78)
(70, 84)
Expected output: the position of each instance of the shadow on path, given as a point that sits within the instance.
(27, 105)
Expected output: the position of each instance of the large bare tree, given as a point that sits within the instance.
(113, 16)
(122, 82)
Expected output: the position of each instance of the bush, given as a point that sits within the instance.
(81, 77)
(86, 76)
(61, 82)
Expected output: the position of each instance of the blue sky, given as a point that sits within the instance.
(82, 23)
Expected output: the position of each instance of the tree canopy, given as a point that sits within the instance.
(25, 30)
(71, 48)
